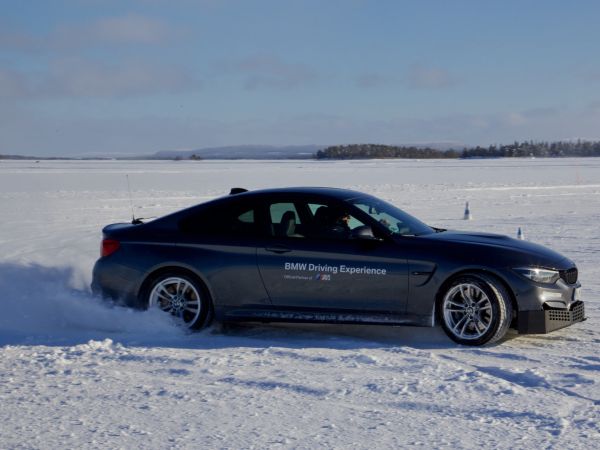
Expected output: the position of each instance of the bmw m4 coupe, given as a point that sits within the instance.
(336, 256)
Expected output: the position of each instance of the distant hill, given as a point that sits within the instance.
(245, 152)
(542, 149)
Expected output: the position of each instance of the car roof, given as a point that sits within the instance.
(240, 193)
(341, 194)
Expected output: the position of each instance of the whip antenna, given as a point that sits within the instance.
(133, 219)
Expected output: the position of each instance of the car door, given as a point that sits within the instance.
(304, 268)
(220, 244)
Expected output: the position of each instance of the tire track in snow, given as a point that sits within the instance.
(526, 381)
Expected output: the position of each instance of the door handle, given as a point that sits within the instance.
(278, 249)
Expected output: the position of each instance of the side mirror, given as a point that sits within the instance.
(364, 232)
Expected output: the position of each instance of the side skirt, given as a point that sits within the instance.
(262, 314)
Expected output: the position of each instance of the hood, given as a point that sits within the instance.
(528, 251)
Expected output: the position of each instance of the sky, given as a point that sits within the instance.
(133, 77)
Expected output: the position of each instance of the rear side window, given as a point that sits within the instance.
(284, 220)
(247, 217)
(235, 220)
(277, 211)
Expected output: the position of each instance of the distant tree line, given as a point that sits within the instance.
(193, 157)
(366, 151)
(535, 149)
(514, 150)
(47, 158)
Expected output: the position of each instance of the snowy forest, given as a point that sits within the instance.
(514, 150)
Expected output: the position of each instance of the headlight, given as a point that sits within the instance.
(539, 275)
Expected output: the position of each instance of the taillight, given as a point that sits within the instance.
(109, 246)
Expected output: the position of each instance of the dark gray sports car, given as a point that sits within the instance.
(334, 255)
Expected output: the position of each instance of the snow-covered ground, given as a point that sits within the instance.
(75, 373)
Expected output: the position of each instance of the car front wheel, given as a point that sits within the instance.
(181, 296)
(475, 310)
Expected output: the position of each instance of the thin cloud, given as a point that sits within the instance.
(125, 30)
(515, 119)
(592, 107)
(73, 78)
(146, 134)
(470, 129)
(17, 41)
(424, 77)
(542, 112)
(13, 84)
(591, 76)
(129, 79)
(270, 72)
(130, 29)
(417, 77)
(374, 80)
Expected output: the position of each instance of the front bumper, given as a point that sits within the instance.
(547, 320)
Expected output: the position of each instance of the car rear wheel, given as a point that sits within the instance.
(181, 296)
(475, 310)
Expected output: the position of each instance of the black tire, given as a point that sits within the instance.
(475, 310)
(181, 295)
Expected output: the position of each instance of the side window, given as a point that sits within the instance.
(313, 207)
(241, 223)
(285, 220)
(238, 220)
(277, 210)
(247, 216)
(331, 222)
(391, 223)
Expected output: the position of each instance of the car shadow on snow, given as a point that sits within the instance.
(52, 306)
(340, 336)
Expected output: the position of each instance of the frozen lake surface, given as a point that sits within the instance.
(75, 373)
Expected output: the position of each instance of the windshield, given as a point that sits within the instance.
(395, 220)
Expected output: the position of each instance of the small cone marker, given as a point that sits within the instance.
(520, 234)
(467, 212)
